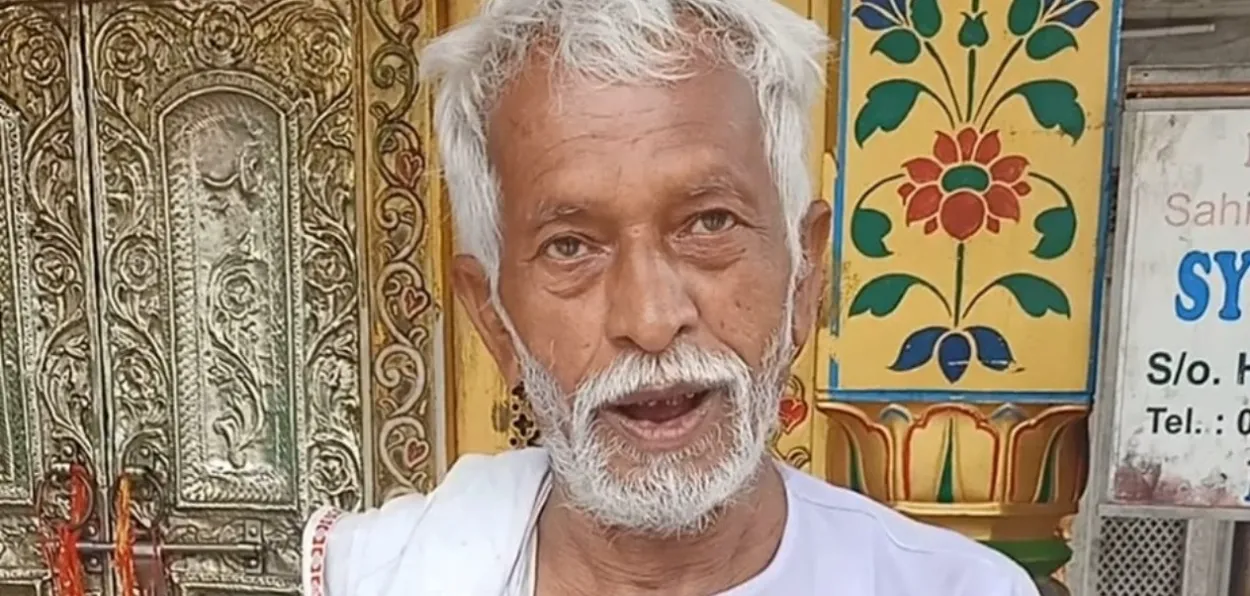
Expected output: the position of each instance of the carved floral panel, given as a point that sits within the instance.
(224, 136)
(50, 411)
(405, 243)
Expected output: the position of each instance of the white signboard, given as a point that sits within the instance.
(1182, 388)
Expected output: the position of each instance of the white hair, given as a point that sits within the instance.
(780, 53)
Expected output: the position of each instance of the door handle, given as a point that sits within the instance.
(60, 532)
(67, 478)
(246, 550)
(151, 559)
(148, 560)
(250, 549)
(141, 556)
(148, 543)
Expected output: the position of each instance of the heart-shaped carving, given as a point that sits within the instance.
(413, 301)
(408, 166)
(406, 10)
(793, 411)
(415, 453)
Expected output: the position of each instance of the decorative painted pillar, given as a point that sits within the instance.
(959, 363)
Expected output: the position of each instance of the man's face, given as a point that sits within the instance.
(646, 273)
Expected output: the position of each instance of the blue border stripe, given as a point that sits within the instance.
(839, 189)
(974, 397)
(1111, 151)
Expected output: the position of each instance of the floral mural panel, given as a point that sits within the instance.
(970, 199)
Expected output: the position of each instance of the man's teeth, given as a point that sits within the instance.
(676, 401)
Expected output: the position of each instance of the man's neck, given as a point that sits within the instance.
(577, 556)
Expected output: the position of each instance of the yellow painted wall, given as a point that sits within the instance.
(1024, 84)
(956, 368)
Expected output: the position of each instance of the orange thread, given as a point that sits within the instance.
(79, 508)
(123, 548)
(60, 541)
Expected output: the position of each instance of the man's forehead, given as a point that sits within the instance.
(689, 170)
(569, 191)
(567, 142)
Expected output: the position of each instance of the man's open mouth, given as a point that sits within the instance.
(664, 415)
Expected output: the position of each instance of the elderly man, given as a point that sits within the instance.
(640, 254)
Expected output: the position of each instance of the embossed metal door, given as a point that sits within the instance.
(51, 411)
(204, 205)
(223, 148)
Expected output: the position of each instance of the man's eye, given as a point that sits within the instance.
(713, 222)
(566, 248)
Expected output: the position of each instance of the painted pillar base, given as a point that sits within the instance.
(1041, 558)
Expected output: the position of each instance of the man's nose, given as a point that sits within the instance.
(648, 301)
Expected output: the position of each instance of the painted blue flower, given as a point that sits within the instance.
(1073, 13)
(954, 350)
(954, 353)
(877, 15)
(992, 349)
(917, 349)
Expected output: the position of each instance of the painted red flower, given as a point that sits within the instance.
(967, 184)
(793, 411)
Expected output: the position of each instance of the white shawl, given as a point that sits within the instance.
(462, 539)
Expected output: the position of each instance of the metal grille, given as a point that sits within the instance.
(1140, 557)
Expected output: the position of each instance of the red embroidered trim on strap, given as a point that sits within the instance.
(316, 536)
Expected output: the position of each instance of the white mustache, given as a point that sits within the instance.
(683, 364)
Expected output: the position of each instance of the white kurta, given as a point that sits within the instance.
(473, 536)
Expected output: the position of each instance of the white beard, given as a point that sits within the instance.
(664, 494)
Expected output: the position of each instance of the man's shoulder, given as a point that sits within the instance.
(883, 525)
(336, 542)
(902, 547)
(482, 494)
(475, 480)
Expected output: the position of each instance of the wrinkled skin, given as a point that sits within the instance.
(634, 218)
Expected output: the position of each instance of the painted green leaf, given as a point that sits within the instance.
(1037, 296)
(1048, 41)
(889, 103)
(869, 228)
(882, 295)
(1054, 105)
(900, 45)
(926, 17)
(1046, 488)
(946, 479)
(854, 471)
(1022, 15)
(1058, 229)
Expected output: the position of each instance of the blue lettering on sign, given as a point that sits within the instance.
(1192, 278)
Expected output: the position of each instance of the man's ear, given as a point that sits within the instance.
(471, 285)
(810, 288)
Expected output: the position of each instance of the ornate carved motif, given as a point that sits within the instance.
(520, 425)
(402, 308)
(49, 410)
(225, 192)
